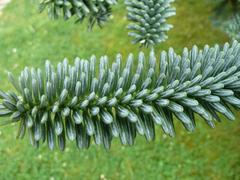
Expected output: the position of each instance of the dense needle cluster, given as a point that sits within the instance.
(148, 18)
(80, 101)
(232, 27)
(97, 11)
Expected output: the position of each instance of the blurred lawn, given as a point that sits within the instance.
(28, 39)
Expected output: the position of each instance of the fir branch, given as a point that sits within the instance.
(149, 18)
(80, 101)
(232, 27)
(97, 11)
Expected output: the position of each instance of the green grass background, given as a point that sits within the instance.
(28, 38)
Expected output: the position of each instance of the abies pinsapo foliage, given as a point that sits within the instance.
(97, 11)
(81, 102)
(148, 20)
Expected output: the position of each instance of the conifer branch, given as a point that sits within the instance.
(149, 18)
(97, 11)
(81, 101)
(232, 27)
